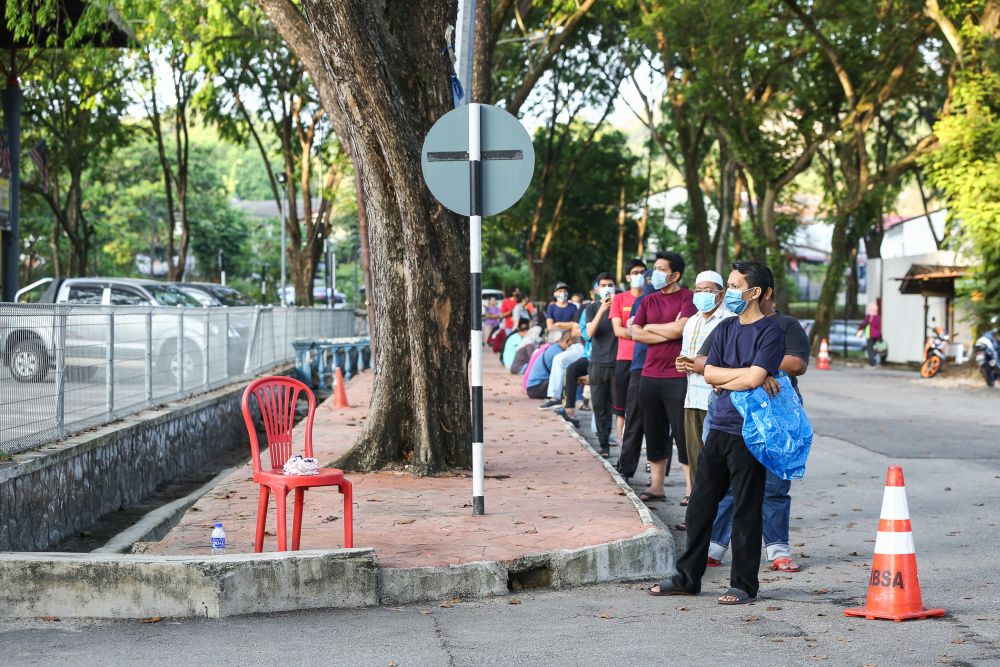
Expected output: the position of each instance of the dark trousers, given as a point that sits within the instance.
(663, 405)
(724, 460)
(574, 372)
(602, 381)
(633, 434)
(538, 391)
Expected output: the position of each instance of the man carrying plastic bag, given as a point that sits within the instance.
(775, 428)
(745, 350)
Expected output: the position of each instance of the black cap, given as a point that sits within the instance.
(559, 286)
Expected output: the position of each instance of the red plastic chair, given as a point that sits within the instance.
(276, 397)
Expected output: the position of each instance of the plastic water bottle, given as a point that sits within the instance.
(218, 539)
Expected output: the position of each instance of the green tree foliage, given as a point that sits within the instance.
(586, 239)
(966, 164)
(75, 104)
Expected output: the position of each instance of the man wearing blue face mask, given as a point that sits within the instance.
(660, 325)
(708, 296)
(745, 351)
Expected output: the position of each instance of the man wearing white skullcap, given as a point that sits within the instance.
(708, 294)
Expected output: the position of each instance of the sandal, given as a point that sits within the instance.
(666, 588)
(785, 564)
(648, 497)
(685, 500)
(713, 562)
(738, 595)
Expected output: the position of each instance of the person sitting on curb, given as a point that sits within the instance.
(561, 315)
(538, 373)
(745, 350)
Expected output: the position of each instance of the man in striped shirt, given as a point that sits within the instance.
(708, 295)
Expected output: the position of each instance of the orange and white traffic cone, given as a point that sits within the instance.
(893, 588)
(339, 391)
(823, 360)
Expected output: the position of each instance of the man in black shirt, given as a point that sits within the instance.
(603, 352)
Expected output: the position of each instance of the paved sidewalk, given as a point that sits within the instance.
(544, 491)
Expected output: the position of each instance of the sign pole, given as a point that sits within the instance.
(476, 286)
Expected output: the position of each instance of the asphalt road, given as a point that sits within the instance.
(897, 413)
(954, 498)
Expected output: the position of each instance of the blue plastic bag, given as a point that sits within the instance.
(776, 430)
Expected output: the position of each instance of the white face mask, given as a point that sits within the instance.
(636, 281)
(561, 297)
(605, 292)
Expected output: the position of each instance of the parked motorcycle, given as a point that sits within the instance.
(987, 351)
(934, 352)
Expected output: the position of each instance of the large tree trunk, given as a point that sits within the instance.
(419, 415)
(839, 254)
(775, 255)
(729, 207)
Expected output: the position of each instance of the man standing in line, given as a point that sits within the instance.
(603, 352)
(632, 437)
(660, 325)
(708, 300)
(777, 508)
(621, 311)
(745, 351)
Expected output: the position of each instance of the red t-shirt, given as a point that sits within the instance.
(505, 305)
(621, 307)
(660, 308)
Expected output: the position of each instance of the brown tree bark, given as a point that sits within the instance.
(419, 415)
(482, 88)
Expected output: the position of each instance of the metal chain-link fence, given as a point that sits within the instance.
(67, 368)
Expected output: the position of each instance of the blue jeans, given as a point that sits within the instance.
(777, 510)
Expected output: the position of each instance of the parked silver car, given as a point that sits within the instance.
(28, 333)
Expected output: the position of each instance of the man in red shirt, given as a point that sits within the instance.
(660, 325)
(621, 311)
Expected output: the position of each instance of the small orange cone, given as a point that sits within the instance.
(823, 360)
(339, 392)
(893, 588)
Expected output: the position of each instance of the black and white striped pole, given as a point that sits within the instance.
(477, 161)
(476, 297)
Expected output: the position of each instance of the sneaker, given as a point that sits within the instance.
(549, 404)
(572, 420)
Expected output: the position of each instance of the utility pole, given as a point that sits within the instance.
(222, 266)
(284, 250)
(10, 238)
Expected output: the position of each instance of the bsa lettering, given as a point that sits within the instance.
(886, 578)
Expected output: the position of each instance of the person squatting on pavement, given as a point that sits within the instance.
(777, 507)
(711, 312)
(621, 313)
(660, 325)
(745, 350)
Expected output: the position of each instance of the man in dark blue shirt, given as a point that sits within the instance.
(745, 351)
(562, 314)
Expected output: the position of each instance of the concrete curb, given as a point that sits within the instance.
(138, 586)
(129, 586)
(157, 523)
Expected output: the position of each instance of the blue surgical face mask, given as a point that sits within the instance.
(734, 300)
(636, 281)
(704, 301)
(659, 280)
